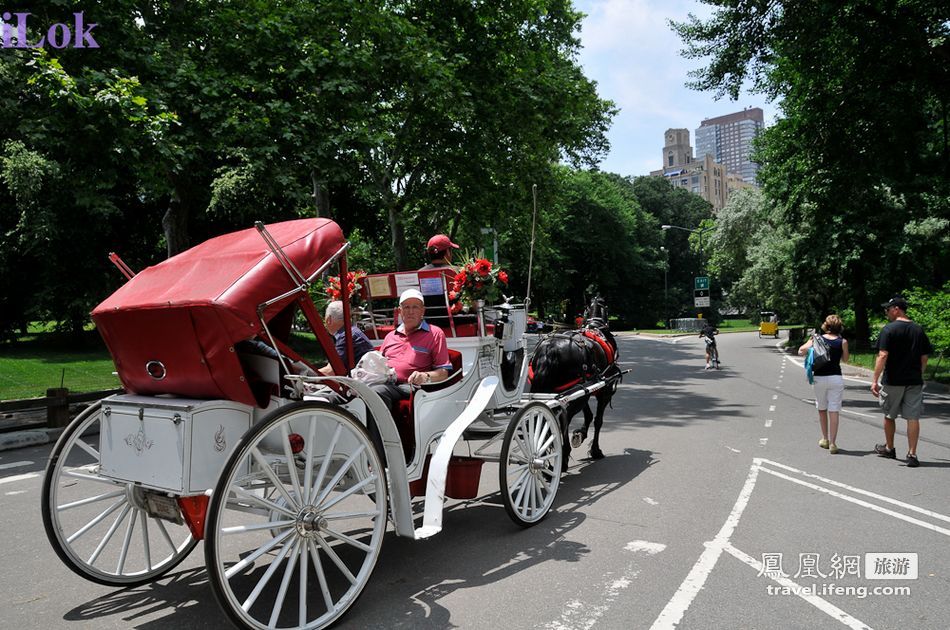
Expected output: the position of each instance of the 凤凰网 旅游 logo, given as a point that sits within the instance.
(59, 35)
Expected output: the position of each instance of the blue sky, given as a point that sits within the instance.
(633, 55)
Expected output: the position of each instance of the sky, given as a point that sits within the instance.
(633, 55)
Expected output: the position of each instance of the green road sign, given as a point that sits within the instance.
(701, 282)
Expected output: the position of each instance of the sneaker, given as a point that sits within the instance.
(833, 449)
(823, 443)
(708, 366)
(912, 461)
(883, 451)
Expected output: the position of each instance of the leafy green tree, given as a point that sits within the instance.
(674, 206)
(196, 117)
(857, 167)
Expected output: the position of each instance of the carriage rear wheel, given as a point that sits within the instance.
(296, 522)
(530, 467)
(99, 527)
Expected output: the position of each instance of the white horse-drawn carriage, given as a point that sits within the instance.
(214, 443)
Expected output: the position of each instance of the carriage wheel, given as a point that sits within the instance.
(530, 467)
(296, 522)
(98, 526)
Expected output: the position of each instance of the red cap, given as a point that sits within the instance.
(440, 243)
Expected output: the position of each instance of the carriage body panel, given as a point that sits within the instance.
(171, 329)
(175, 445)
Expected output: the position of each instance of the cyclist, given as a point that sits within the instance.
(708, 333)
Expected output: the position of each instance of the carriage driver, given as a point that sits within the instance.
(416, 350)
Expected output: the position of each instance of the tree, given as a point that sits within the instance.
(857, 168)
(196, 117)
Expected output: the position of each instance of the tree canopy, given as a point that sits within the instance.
(856, 169)
(396, 119)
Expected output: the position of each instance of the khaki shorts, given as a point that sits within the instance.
(906, 401)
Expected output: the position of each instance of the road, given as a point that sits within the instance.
(713, 481)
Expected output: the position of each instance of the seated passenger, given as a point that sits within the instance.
(416, 350)
(439, 253)
(333, 318)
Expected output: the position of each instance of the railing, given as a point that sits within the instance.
(56, 402)
(687, 323)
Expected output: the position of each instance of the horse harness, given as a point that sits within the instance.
(589, 333)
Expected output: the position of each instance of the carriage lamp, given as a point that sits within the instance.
(296, 442)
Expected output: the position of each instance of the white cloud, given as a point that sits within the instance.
(633, 54)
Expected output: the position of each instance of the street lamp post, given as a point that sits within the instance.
(666, 297)
(494, 233)
(700, 231)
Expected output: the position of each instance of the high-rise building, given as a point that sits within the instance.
(704, 177)
(728, 139)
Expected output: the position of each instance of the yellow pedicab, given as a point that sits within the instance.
(768, 324)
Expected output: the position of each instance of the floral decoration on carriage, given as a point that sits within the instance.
(354, 287)
(479, 280)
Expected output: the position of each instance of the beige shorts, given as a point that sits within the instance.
(828, 392)
(906, 401)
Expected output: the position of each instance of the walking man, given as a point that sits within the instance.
(903, 350)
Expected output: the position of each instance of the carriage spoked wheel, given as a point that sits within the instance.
(99, 527)
(529, 470)
(296, 522)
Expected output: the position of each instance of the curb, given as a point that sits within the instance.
(30, 437)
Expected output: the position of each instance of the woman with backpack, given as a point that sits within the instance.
(828, 350)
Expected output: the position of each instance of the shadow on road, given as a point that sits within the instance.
(479, 545)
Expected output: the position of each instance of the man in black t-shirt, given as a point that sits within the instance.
(903, 350)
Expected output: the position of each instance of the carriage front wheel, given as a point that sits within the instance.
(296, 522)
(99, 527)
(530, 467)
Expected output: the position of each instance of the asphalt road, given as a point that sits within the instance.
(712, 482)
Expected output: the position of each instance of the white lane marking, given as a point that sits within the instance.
(650, 501)
(15, 492)
(768, 423)
(824, 606)
(763, 441)
(879, 497)
(673, 612)
(651, 548)
(15, 465)
(577, 614)
(774, 396)
(876, 508)
(19, 477)
(771, 407)
(734, 450)
(858, 413)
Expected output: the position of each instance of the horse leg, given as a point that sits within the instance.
(565, 442)
(595, 451)
(578, 437)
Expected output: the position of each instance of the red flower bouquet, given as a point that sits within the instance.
(354, 286)
(479, 280)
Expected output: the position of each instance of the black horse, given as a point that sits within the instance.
(563, 361)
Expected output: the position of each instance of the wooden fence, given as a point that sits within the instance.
(56, 402)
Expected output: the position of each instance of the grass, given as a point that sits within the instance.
(44, 359)
(938, 371)
(728, 325)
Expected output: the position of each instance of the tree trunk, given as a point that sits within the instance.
(321, 196)
(398, 233)
(862, 327)
(175, 224)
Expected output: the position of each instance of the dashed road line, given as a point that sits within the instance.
(768, 423)
(15, 465)
(22, 477)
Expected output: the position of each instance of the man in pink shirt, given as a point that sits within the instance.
(416, 350)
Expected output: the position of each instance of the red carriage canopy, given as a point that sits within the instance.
(172, 328)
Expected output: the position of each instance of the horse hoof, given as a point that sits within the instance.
(596, 453)
(577, 438)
